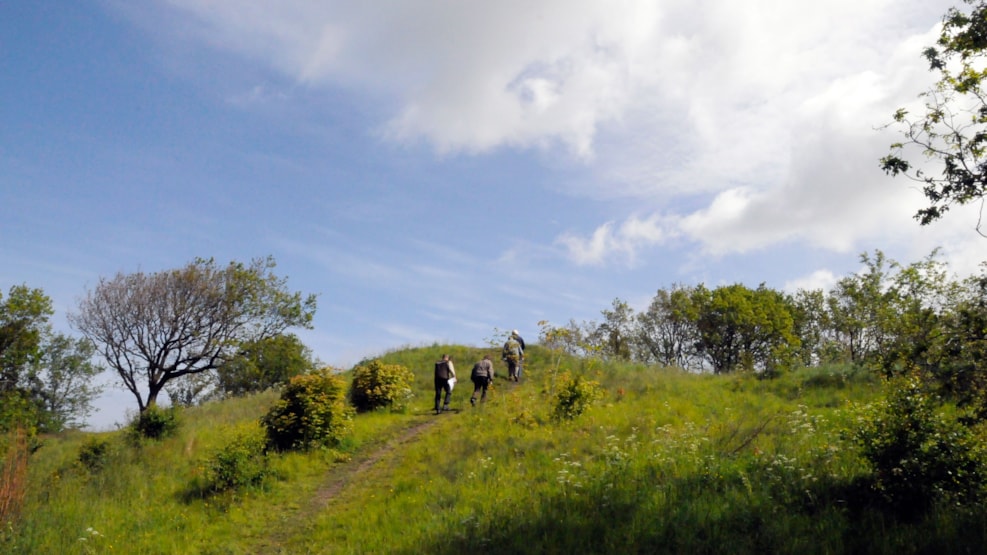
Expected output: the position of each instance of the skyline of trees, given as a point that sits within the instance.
(889, 317)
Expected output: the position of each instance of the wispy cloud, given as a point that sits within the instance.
(737, 126)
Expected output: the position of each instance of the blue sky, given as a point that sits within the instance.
(435, 171)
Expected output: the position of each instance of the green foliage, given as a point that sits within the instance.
(68, 386)
(575, 395)
(963, 348)
(19, 410)
(312, 412)
(155, 423)
(155, 328)
(683, 463)
(744, 329)
(377, 385)
(264, 363)
(919, 453)
(667, 330)
(94, 454)
(23, 322)
(242, 462)
(24, 317)
(614, 337)
(951, 128)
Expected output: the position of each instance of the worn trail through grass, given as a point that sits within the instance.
(337, 479)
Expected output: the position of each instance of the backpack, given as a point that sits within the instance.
(512, 351)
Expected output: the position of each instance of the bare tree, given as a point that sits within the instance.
(155, 328)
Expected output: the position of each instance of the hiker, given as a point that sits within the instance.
(520, 361)
(482, 375)
(512, 354)
(444, 371)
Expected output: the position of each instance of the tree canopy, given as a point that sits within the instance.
(23, 324)
(46, 379)
(951, 132)
(155, 328)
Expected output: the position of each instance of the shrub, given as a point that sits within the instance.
(94, 454)
(575, 395)
(377, 385)
(155, 422)
(311, 412)
(240, 463)
(918, 453)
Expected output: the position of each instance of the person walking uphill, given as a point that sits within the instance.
(482, 375)
(512, 354)
(520, 361)
(444, 371)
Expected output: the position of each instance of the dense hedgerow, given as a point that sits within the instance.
(377, 385)
(312, 412)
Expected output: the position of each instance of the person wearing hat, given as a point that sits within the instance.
(517, 337)
(512, 354)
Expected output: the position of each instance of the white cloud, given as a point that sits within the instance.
(786, 152)
(820, 279)
(767, 109)
(624, 241)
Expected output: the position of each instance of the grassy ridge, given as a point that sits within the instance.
(667, 462)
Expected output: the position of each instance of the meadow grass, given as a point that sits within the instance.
(665, 462)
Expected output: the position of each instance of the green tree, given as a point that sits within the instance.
(264, 363)
(67, 376)
(959, 368)
(667, 330)
(811, 322)
(951, 131)
(155, 328)
(743, 328)
(858, 306)
(887, 317)
(23, 324)
(615, 335)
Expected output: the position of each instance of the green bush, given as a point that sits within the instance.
(155, 422)
(94, 454)
(240, 463)
(575, 395)
(377, 385)
(312, 412)
(919, 453)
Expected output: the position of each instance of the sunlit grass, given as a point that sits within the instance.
(665, 462)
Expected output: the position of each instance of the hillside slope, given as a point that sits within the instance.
(663, 462)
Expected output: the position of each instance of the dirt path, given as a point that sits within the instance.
(337, 479)
(346, 473)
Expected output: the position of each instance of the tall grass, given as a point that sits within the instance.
(13, 474)
(666, 462)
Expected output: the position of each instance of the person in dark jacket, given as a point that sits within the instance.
(444, 371)
(482, 375)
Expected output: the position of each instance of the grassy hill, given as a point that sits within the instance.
(665, 462)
